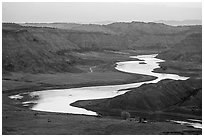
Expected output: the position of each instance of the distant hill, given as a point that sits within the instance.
(152, 35)
(42, 47)
(103, 22)
(159, 35)
(72, 26)
(189, 49)
(180, 23)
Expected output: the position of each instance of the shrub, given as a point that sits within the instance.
(125, 115)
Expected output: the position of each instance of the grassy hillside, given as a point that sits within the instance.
(73, 26)
(185, 58)
(44, 56)
(151, 35)
(189, 49)
(51, 47)
(140, 35)
(34, 49)
(166, 96)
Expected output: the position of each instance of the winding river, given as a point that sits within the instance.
(59, 100)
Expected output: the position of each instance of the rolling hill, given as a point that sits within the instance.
(166, 96)
(50, 47)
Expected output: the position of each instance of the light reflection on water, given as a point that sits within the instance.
(191, 123)
(59, 100)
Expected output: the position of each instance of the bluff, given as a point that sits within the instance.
(50, 47)
(36, 49)
(184, 97)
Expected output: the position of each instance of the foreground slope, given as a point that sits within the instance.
(181, 97)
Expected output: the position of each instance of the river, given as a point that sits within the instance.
(59, 100)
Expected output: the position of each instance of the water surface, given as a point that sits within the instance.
(59, 100)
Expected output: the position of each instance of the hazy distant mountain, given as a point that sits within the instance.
(103, 22)
(183, 22)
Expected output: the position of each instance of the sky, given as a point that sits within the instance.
(97, 12)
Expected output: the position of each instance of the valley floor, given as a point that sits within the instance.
(20, 120)
(17, 121)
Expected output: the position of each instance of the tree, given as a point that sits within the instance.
(125, 115)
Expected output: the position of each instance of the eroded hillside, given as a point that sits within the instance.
(34, 49)
(167, 96)
(51, 47)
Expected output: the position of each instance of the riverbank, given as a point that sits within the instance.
(22, 121)
(44, 123)
(21, 82)
(183, 68)
(152, 102)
